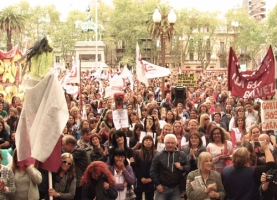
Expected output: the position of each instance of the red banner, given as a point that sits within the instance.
(251, 84)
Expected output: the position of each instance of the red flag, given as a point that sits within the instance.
(251, 84)
(52, 163)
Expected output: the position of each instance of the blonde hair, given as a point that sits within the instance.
(202, 157)
(251, 129)
(202, 119)
(241, 157)
(193, 121)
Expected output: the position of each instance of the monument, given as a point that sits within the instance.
(87, 50)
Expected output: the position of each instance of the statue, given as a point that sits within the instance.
(89, 25)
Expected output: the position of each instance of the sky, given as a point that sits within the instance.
(65, 6)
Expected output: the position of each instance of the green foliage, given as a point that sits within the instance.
(11, 21)
(272, 27)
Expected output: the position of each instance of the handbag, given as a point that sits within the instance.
(227, 161)
(130, 194)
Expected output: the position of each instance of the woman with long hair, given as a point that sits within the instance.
(27, 178)
(98, 182)
(65, 179)
(133, 120)
(194, 148)
(193, 127)
(13, 119)
(143, 160)
(106, 125)
(170, 118)
(4, 135)
(119, 140)
(122, 171)
(99, 152)
(253, 134)
(134, 141)
(238, 132)
(178, 131)
(220, 148)
(167, 129)
(203, 109)
(204, 121)
(239, 112)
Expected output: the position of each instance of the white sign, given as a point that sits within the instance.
(120, 119)
(269, 115)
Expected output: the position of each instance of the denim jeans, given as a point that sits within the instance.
(169, 194)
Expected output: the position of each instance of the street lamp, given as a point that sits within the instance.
(235, 25)
(181, 39)
(163, 31)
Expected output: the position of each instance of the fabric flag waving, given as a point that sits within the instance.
(141, 72)
(155, 71)
(251, 84)
(42, 120)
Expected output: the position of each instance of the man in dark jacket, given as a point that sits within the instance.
(69, 144)
(167, 170)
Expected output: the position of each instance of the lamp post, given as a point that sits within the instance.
(181, 39)
(163, 31)
(235, 25)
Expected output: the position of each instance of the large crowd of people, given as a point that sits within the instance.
(211, 146)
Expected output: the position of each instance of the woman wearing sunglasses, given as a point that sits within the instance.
(64, 180)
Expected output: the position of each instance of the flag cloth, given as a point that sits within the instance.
(141, 72)
(74, 75)
(43, 117)
(251, 84)
(155, 71)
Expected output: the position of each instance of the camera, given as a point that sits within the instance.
(270, 175)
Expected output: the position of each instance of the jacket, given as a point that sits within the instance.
(163, 170)
(96, 190)
(81, 163)
(200, 194)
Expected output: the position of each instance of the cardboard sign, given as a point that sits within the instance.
(188, 80)
(269, 115)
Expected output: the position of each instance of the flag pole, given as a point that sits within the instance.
(50, 183)
(80, 92)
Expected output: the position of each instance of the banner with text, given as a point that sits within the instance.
(188, 80)
(269, 115)
(251, 84)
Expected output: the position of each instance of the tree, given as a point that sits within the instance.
(250, 37)
(10, 21)
(128, 23)
(272, 27)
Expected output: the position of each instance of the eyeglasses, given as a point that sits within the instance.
(207, 119)
(67, 163)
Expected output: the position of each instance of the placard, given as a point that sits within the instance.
(188, 80)
(120, 119)
(269, 115)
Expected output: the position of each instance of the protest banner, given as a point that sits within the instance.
(269, 115)
(188, 80)
(251, 84)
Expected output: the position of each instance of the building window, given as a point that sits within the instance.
(221, 47)
(221, 63)
(57, 59)
(191, 57)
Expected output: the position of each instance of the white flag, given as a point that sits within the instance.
(141, 72)
(155, 71)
